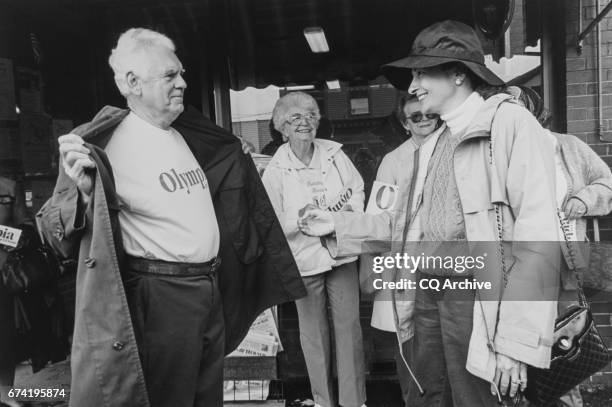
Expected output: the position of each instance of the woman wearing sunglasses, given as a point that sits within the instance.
(406, 168)
(311, 171)
(492, 174)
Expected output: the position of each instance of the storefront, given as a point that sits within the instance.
(54, 75)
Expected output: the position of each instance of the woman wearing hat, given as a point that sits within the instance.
(472, 352)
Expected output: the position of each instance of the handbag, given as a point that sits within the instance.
(30, 266)
(599, 263)
(578, 349)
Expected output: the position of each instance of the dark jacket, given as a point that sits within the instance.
(257, 269)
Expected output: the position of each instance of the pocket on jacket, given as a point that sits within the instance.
(475, 206)
(234, 206)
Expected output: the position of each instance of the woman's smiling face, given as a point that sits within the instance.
(434, 88)
(301, 124)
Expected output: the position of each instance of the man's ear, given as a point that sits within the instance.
(133, 84)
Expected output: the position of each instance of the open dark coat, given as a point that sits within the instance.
(257, 269)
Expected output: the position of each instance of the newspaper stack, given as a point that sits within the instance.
(262, 340)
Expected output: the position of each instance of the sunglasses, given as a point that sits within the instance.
(417, 117)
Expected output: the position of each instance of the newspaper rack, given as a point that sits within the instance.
(251, 368)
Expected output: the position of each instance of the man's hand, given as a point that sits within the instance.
(75, 160)
(510, 374)
(574, 208)
(247, 147)
(314, 221)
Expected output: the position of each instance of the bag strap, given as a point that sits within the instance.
(499, 228)
(499, 222)
(571, 259)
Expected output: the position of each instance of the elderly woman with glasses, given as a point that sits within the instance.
(307, 171)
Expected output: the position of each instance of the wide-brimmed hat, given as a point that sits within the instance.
(448, 41)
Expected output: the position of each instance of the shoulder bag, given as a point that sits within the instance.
(578, 349)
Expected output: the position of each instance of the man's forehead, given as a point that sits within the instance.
(162, 59)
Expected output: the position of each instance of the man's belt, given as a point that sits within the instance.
(170, 268)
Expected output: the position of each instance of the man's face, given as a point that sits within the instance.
(162, 86)
(418, 123)
(434, 87)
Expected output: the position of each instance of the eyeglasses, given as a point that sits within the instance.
(417, 117)
(297, 118)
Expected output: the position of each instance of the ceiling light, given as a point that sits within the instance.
(316, 39)
(335, 84)
(300, 87)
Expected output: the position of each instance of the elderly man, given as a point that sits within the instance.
(151, 199)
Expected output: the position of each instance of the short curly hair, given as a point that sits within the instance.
(289, 100)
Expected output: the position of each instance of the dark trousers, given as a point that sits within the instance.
(178, 322)
(443, 326)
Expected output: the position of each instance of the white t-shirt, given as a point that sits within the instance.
(166, 208)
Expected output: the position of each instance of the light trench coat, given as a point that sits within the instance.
(257, 271)
(520, 180)
(399, 167)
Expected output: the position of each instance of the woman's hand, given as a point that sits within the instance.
(510, 374)
(574, 208)
(314, 221)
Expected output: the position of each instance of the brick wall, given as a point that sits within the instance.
(582, 117)
(582, 112)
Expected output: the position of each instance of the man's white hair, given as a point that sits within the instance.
(127, 55)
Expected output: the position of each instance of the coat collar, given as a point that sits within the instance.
(327, 149)
(483, 121)
(200, 133)
(205, 139)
